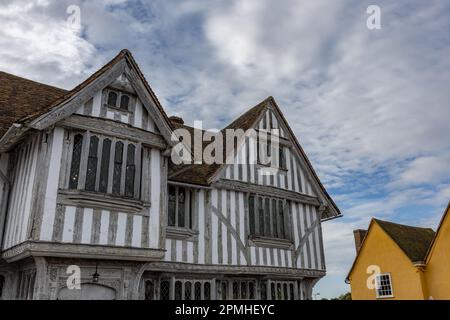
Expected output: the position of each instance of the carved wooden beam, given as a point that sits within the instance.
(235, 270)
(266, 190)
(85, 251)
(113, 128)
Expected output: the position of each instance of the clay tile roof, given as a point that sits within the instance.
(21, 97)
(202, 173)
(414, 241)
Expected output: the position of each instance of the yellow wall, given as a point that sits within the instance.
(379, 249)
(437, 272)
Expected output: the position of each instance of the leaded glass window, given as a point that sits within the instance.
(104, 169)
(235, 290)
(117, 170)
(272, 291)
(172, 205)
(274, 218)
(180, 207)
(187, 290)
(178, 290)
(91, 172)
(207, 291)
(279, 292)
(281, 221)
(261, 215)
(112, 99)
(243, 290)
(267, 217)
(224, 290)
(76, 160)
(198, 291)
(264, 290)
(251, 205)
(149, 290)
(282, 158)
(130, 171)
(251, 290)
(164, 290)
(267, 231)
(124, 102)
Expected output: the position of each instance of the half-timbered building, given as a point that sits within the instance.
(92, 207)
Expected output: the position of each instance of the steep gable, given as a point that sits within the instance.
(412, 241)
(61, 104)
(304, 179)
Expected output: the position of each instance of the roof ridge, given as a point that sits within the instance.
(402, 225)
(260, 104)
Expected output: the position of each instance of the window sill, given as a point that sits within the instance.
(179, 233)
(385, 297)
(124, 111)
(260, 241)
(102, 201)
(269, 169)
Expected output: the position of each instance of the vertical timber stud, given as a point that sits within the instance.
(163, 202)
(84, 159)
(44, 162)
(208, 255)
(195, 221)
(246, 226)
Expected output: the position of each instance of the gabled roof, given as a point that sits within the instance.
(19, 98)
(203, 174)
(413, 241)
(25, 101)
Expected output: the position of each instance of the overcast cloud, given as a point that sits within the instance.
(370, 107)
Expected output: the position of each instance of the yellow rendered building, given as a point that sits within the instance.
(400, 262)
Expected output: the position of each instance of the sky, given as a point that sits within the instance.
(370, 107)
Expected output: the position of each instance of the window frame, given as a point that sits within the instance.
(281, 215)
(379, 286)
(100, 171)
(178, 288)
(118, 104)
(189, 207)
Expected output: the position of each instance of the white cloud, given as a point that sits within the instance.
(428, 169)
(371, 108)
(42, 47)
